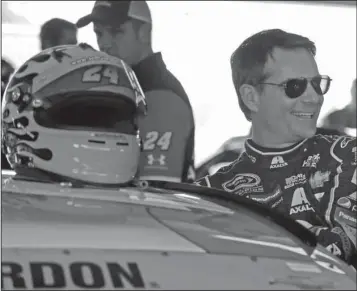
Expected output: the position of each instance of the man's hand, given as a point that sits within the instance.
(336, 241)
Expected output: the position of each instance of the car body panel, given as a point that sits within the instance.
(132, 238)
(166, 270)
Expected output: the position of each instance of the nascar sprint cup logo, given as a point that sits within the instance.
(247, 180)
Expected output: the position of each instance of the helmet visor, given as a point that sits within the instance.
(91, 112)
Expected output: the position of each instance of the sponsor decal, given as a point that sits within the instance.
(275, 204)
(299, 202)
(247, 181)
(215, 168)
(83, 275)
(295, 180)
(330, 138)
(353, 196)
(311, 161)
(344, 202)
(90, 59)
(346, 140)
(318, 179)
(268, 198)
(159, 161)
(347, 217)
(351, 232)
(277, 162)
(334, 249)
(252, 158)
(319, 195)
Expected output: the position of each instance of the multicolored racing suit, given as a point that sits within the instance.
(313, 182)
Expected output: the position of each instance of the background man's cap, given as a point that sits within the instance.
(115, 13)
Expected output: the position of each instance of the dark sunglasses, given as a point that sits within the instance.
(294, 88)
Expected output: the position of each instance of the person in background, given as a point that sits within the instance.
(308, 177)
(123, 29)
(344, 120)
(6, 71)
(57, 31)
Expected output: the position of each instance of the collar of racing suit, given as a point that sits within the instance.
(264, 157)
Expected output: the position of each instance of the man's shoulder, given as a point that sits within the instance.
(324, 138)
(337, 146)
(238, 165)
(239, 171)
(162, 79)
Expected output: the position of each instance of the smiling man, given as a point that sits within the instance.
(309, 177)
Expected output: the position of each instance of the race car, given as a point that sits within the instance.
(155, 235)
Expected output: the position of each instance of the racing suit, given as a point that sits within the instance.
(313, 182)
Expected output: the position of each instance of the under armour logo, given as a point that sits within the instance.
(161, 160)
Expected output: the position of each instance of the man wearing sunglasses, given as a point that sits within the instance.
(309, 177)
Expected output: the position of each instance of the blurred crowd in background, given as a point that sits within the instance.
(339, 113)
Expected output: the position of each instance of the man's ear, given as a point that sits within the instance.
(250, 97)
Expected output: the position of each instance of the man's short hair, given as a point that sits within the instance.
(249, 59)
(52, 30)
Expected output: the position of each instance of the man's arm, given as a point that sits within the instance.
(343, 198)
(223, 175)
(340, 204)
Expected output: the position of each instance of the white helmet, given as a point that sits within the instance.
(71, 112)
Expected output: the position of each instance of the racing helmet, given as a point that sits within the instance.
(72, 111)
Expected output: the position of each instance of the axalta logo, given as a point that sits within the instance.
(334, 249)
(277, 162)
(311, 161)
(299, 202)
(241, 181)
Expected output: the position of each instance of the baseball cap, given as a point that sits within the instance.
(116, 13)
